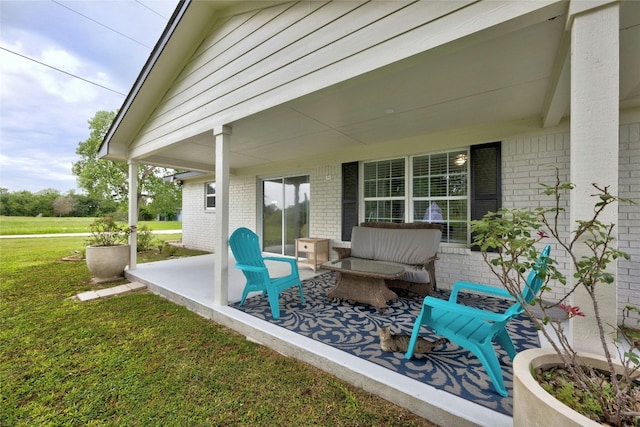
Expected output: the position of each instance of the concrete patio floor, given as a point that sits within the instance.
(189, 282)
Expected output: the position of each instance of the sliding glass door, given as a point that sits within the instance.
(285, 213)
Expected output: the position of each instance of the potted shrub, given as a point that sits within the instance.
(107, 251)
(603, 387)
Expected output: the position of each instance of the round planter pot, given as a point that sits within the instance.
(532, 405)
(107, 263)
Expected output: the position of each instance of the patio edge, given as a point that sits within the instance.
(423, 400)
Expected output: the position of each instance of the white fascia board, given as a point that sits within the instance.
(164, 63)
(168, 32)
(113, 151)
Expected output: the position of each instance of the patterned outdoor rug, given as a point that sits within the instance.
(353, 329)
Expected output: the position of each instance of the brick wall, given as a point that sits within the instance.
(527, 161)
(243, 203)
(198, 223)
(326, 192)
(628, 279)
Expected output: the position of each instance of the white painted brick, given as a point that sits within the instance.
(527, 161)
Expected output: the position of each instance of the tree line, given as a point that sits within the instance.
(105, 184)
(53, 203)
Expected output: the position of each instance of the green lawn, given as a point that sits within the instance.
(12, 225)
(140, 360)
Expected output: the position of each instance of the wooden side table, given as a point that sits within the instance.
(316, 250)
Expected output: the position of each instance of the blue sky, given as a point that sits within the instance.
(44, 113)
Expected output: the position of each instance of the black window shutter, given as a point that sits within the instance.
(349, 199)
(486, 185)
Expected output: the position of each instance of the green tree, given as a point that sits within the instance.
(166, 200)
(87, 206)
(18, 204)
(4, 199)
(108, 180)
(44, 201)
(62, 206)
(25, 203)
(21, 203)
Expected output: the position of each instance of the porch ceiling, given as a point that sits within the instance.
(471, 82)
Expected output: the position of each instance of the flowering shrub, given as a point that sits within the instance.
(508, 241)
(106, 232)
(571, 310)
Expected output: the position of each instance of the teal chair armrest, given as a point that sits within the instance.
(251, 268)
(477, 287)
(453, 307)
(290, 261)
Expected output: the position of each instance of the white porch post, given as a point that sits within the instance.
(222, 135)
(133, 213)
(594, 140)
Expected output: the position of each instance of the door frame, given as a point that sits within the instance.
(261, 210)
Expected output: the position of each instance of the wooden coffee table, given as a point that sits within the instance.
(363, 281)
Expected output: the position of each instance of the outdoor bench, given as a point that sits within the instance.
(414, 246)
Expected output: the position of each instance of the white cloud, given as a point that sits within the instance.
(24, 76)
(44, 113)
(59, 58)
(36, 171)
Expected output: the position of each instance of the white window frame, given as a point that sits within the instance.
(208, 196)
(408, 199)
(402, 198)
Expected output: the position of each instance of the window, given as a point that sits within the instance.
(384, 190)
(210, 195)
(451, 188)
(440, 192)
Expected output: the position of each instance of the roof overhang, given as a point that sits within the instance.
(180, 38)
(509, 78)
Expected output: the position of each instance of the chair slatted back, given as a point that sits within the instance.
(535, 280)
(245, 246)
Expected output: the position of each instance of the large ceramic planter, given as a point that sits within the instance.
(532, 406)
(107, 263)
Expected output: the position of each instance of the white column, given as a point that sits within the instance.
(594, 143)
(133, 213)
(222, 135)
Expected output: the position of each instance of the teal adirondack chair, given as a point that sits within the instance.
(245, 246)
(473, 328)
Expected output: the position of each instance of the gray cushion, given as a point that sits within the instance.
(412, 273)
(413, 246)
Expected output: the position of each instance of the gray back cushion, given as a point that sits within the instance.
(413, 246)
